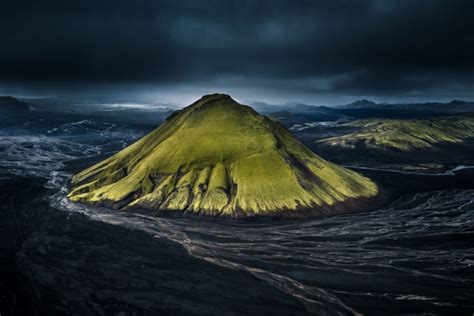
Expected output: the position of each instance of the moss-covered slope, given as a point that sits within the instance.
(219, 157)
(404, 135)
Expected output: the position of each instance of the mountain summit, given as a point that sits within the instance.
(360, 104)
(219, 157)
(10, 105)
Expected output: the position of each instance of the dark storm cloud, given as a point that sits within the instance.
(365, 47)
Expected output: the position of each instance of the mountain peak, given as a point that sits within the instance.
(364, 103)
(219, 108)
(11, 104)
(219, 157)
(215, 96)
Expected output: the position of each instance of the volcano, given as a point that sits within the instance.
(219, 157)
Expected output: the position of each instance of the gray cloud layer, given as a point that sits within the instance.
(343, 47)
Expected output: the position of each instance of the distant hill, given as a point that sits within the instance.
(10, 105)
(219, 157)
(403, 135)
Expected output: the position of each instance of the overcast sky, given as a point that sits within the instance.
(318, 52)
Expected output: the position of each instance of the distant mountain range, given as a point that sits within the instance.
(293, 107)
(454, 106)
(11, 104)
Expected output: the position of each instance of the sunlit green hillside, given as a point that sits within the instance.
(404, 135)
(219, 157)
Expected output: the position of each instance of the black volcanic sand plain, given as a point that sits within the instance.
(412, 255)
